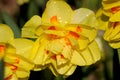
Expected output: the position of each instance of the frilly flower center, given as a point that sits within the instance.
(58, 44)
(9, 77)
(12, 66)
(2, 48)
(115, 9)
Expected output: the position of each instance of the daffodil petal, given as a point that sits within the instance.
(77, 59)
(83, 43)
(28, 29)
(95, 51)
(57, 12)
(115, 31)
(115, 44)
(71, 70)
(2, 50)
(85, 31)
(40, 56)
(89, 33)
(60, 60)
(112, 32)
(84, 16)
(66, 52)
(22, 74)
(8, 74)
(115, 17)
(6, 33)
(21, 2)
(55, 46)
(88, 56)
(110, 4)
(102, 20)
(116, 37)
(62, 69)
(23, 46)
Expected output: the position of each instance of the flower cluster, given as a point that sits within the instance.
(111, 8)
(63, 39)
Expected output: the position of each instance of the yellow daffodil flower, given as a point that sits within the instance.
(65, 38)
(112, 34)
(111, 8)
(21, 2)
(16, 54)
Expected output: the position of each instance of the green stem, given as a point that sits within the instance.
(1, 70)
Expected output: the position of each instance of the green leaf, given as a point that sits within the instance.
(32, 9)
(119, 54)
(9, 21)
(60, 77)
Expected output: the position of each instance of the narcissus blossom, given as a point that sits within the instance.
(65, 38)
(111, 8)
(16, 54)
(21, 2)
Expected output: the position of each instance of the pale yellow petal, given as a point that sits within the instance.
(71, 70)
(110, 4)
(55, 46)
(60, 60)
(7, 72)
(102, 20)
(83, 43)
(6, 33)
(23, 46)
(67, 52)
(115, 44)
(116, 37)
(112, 33)
(58, 10)
(115, 17)
(115, 32)
(78, 59)
(89, 33)
(95, 51)
(21, 2)
(22, 74)
(87, 57)
(28, 29)
(39, 53)
(62, 69)
(84, 16)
